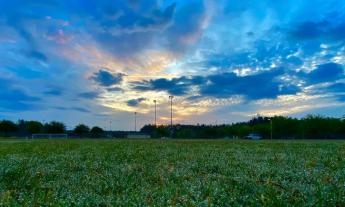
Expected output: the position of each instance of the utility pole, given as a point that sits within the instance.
(155, 101)
(135, 121)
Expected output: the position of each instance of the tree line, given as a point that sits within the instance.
(27, 128)
(278, 127)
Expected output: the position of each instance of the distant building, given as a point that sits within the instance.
(138, 135)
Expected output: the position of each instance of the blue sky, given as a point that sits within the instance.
(82, 61)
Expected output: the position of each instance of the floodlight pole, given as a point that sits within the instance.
(171, 112)
(135, 121)
(155, 101)
(171, 115)
(271, 128)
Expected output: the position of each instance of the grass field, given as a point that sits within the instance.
(172, 173)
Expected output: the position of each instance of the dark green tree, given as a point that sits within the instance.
(96, 132)
(81, 130)
(54, 127)
(7, 127)
(33, 127)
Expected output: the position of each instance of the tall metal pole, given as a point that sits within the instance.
(155, 101)
(110, 133)
(171, 112)
(135, 121)
(171, 116)
(271, 128)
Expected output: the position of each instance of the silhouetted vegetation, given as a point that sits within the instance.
(7, 128)
(81, 130)
(96, 132)
(27, 128)
(310, 127)
(54, 127)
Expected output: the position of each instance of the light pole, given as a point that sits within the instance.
(135, 121)
(171, 116)
(171, 112)
(155, 101)
(271, 120)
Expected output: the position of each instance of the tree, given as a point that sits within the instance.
(54, 127)
(96, 131)
(33, 127)
(7, 127)
(81, 130)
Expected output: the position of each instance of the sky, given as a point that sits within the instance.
(224, 61)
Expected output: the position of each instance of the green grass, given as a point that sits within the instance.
(172, 173)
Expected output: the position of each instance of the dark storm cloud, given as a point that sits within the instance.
(106, 78)
(135, 102)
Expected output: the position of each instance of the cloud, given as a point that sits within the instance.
(20, 21)
(221, 51)
(135, 102)
(14, 99)
(106, 78)
(330, 29)
(115, 89)
(325, 73)
(188, 25)
(341, 98)
(130, 22)
(176, 86)
(125, 31)
(89, 95)
(79, 109)
(309, 30)
(336, 87)
(27, 73)
(37, 55)
(263, 85)
(54, 92)
(58, 36)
